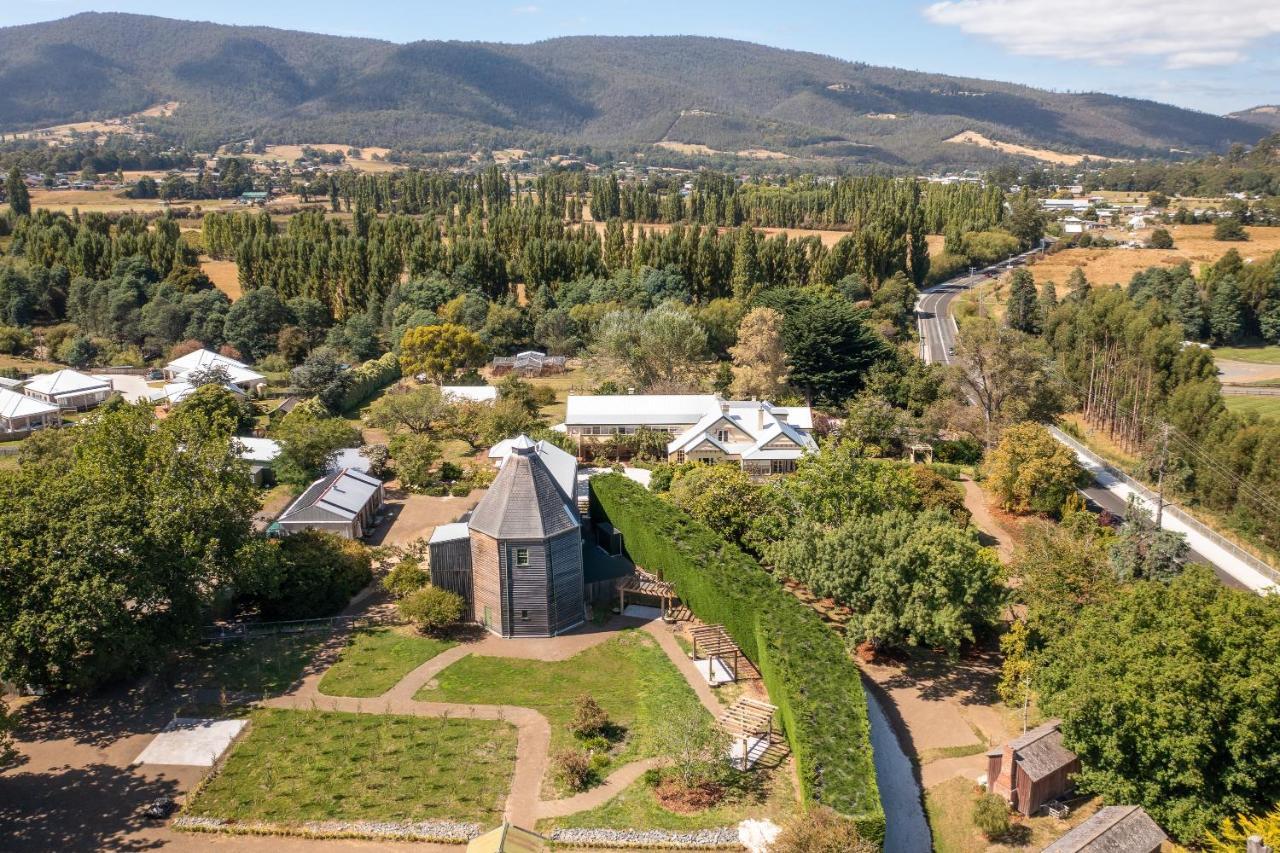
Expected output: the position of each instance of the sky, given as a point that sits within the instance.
(1187, 52)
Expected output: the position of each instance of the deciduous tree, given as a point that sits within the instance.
(1030, 471)
(759, 363)
(439, 351)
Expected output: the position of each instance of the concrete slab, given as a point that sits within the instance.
(192, 742)
(745, 752)
(714, 671)
(640, 611)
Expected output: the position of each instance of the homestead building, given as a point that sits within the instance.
(20, 414)
(69, 390)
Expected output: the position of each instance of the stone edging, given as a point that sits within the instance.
(440, 831)
(724, 838)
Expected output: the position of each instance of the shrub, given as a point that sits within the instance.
(437, 491)
(450, 471)
(804, 664)
(589, 719)
(821, 830)
(432, 609)
(573, 769)
(1229, 229)
(991, 815)
(311, 574)
(407, 576)
(460, 490)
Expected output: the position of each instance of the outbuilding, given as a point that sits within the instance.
(1034, 769)
(69, 390)
(345, 502)
(1114, 829)
(20, 414)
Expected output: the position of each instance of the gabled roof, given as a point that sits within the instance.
(260, 450)
(64, 382)
(562, 465)
(1039, 752)
(341, 495)
(525, 501)
(479, 393)
(180, 390)
(758, 420)
(1114, 829)
(607, 409)
(14, 405)
(238, 372)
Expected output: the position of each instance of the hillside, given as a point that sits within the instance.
(615, 93)
(1267, 116)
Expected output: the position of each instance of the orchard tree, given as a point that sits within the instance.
(1031, 471)
(420, 409)
(723, 497)
(663, 350)
(309, 444)
(439, 351)
(759, 362)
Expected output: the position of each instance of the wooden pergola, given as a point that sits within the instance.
(745, 720)
(714, 643)
(643, 583)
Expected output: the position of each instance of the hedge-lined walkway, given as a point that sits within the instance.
(533, 732)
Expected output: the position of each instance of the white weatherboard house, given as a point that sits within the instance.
(69, 389)
(345, 502)
(238, 373)
(761, 437)
(475, 393)
(20, 414)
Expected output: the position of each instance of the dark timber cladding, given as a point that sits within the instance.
(526, 551)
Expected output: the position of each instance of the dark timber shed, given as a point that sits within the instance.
(1114, 829)
(1032, 770)
(526, 551)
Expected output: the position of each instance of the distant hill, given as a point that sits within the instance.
(1267, 116)
(615, 93)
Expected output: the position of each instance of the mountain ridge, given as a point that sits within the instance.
(620, 93)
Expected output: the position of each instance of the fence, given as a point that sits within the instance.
(255, 630)
(1250, 391)
(1252, 560)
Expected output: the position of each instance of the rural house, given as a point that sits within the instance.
(759, 436)
(1032, 770)
(69, 389)
(345, 502)
(473, 393)
(238, 373)
(518, 560)
(20, 414)
(1114, 829)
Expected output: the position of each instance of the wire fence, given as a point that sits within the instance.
(1252, 560)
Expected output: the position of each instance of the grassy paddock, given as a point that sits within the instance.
(1262, 406)
(376, 659)
(629, 676)
(1253, 355)
(298, 766)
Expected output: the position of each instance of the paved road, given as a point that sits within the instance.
(938, 333)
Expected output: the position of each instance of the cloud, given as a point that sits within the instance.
(1183, 33)
(528, 9)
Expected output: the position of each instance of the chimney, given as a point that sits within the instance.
(760, 418)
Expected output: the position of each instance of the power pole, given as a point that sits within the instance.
(1164, 454)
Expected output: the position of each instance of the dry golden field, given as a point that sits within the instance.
(225, 276)
(1192, 243)
(61, 133)
(704, 150)
(102, 201)
(365, 163)
(970, 137)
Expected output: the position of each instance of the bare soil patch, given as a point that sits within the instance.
(971, 137)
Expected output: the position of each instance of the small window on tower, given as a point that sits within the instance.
(522, 556)
(524, 614)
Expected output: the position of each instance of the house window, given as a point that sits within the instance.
(722, 435)
(522, 556)
(782, 466)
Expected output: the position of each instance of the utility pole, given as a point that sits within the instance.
(1164, 454)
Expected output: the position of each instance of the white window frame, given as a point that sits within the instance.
(522, 556)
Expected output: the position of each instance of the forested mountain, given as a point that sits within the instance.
(1266, 116)
(609, 93)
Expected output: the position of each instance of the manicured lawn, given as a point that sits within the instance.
(629, 676)
(376, 660)
(267, 666)
(311, 765)
(1262, 406)
(1256, 355)
(758, 795)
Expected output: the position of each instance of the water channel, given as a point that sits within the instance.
(906, 830)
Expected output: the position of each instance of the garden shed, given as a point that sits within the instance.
(1034, 769)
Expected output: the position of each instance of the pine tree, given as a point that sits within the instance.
(1188, 307)
(1048, 302)
(1226, 314)
(1022, 311)
(1077, 285)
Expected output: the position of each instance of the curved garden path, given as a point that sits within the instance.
(533, 732)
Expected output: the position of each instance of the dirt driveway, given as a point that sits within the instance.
(413, 516)
(1245, 371)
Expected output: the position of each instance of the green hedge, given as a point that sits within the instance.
(368, 379)
(805, 667)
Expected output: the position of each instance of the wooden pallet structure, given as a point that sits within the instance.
(749, 723)
(713, 643)
(645, 584)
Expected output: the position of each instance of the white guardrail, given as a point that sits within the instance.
(1170, 510)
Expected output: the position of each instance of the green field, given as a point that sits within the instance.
(309, 765)
(1256, 355)
(376, 660)
(629, 676)
(1263, 407)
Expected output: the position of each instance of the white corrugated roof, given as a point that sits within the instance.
(64, 382)
(638, 409)
(450, 532)
(237, 371)
(257, 449)
(178, 391)
(479, 393)
(14, 405)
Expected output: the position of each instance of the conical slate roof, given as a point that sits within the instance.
(524, 501)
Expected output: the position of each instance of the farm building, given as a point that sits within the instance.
(20, 414)
(1032, 770)
(345, 502)
(528, 363)
(238, 373)
(69, 389)
(261, 455)
(761, 437)
(1114, 829)
(518, 560)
